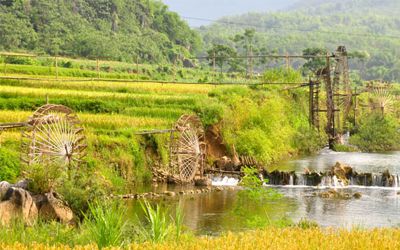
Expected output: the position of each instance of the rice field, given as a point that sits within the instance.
(111, 113)
(271, 238)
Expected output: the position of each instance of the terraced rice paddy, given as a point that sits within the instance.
(111, 113)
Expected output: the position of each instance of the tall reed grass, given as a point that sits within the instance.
(105, 224)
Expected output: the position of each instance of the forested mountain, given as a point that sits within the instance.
(369, 28)
(113, 29)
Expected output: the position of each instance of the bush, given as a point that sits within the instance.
(377, 133)
(43, 179)
(158, 226)
(105, 224)
(9, 165)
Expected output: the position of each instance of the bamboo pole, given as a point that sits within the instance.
(137, 68)
(5, 65)
(214, 64)
(97, 68)
(56, 60)
(287, 61)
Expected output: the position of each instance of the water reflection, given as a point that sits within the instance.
(213, 213)
(361, 162)
(376, 208)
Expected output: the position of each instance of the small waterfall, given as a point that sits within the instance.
(326, 181)
(301, 180)
(337, 182)
(396, 179)
(291, 180)
(377, 180)
(225, 181)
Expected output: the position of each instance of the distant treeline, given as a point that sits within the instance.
(370, 29)
(147, 31)
(113, 29)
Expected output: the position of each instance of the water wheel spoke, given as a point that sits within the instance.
(53, 137)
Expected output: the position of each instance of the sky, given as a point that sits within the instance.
(214, 9)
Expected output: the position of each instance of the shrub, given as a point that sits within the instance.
(9, 164)
(377, 133)
(158, 227)
(43, 179)
(105, 224)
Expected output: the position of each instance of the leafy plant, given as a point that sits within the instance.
(377, 133)
(105, 223)
(178, 222)
(158, 227)
(43, 179)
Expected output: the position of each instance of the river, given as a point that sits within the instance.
(217, 212)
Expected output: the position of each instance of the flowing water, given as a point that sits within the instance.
(379, 205)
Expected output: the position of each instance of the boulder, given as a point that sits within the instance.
(225, 163)
(4, 186)
(203, 182)
(17, 203)
(334, 194)
(169, 193)
(357, 195)
(343, 172)
(22, 184)
(51, 207)
(187, 63)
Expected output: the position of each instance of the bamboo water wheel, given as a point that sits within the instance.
(53, 136)
(188, 149)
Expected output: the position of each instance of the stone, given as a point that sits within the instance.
(169, 193)
(18, 203)
(4, 186)
(182, 192)
(343, 172)
(219, 189)
(335, 194)
(52, 208)
(198, 191)
(22, 184)
(203, 182)
(357, 195)
(225, 163)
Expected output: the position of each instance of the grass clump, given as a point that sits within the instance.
(157, 227)
(105, 224)
(10, 168)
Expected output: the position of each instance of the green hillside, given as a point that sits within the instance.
(370, 29)
(117, 29)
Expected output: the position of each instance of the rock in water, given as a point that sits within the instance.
(343, 172)
(169, 193)
(52, 208)
(17, 203)
(204, 182)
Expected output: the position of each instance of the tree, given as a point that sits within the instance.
(246, 40)
(313, 63)
(220, 54)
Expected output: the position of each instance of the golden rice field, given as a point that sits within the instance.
(105, 121)
(137, 87)
(271, 238)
